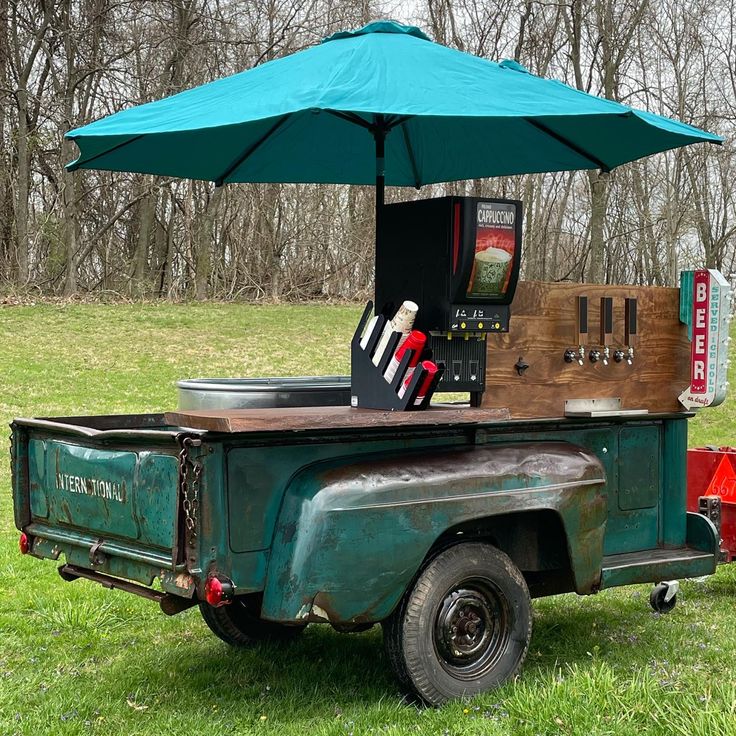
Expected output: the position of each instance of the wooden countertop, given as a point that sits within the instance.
(327, 417)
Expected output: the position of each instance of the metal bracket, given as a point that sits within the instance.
(599, 408)
(95, 556)
(170, 604)
(710, 507)
(673, 587)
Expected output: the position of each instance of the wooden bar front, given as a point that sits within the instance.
(544, 325)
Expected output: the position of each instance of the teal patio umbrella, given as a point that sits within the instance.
(382, 104)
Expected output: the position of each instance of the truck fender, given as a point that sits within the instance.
(352, 533)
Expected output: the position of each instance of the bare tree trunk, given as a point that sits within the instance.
(69, 208)
(146, 214)
(24, 64)
(6, 191)
(167, 279)
(22, 190)
(204, 245)
(598, 183)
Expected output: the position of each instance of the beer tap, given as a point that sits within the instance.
(578, 355)
(630, 328)
(606, 330)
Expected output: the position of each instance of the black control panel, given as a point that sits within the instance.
(471, 318)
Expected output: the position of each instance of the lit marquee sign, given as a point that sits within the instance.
(705, 304)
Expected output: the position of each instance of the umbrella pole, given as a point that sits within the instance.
(379, 135)
(380, 138)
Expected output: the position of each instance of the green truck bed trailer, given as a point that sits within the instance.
(441, 533)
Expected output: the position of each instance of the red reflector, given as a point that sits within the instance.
(24, 544)
(213, 592)
(218, 592)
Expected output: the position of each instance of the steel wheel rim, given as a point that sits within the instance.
(471, 628)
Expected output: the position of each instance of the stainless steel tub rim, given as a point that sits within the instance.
(268, 392)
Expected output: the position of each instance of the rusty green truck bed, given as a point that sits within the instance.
(343, 505)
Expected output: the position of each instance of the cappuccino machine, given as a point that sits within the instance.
(458, 259)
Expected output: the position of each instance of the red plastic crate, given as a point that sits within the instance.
(711, 471)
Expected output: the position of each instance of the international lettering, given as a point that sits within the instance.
(107, 489)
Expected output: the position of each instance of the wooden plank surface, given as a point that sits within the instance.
(543, 326)
(326, 417)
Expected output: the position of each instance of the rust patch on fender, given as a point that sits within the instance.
(288, 531)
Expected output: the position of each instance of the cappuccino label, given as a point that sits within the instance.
(490, 214)
(495, 243)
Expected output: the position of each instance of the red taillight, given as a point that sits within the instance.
(24, 544)
(218, 592)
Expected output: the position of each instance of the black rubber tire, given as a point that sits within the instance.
(657, 601)
(239, 625)
(415, 635)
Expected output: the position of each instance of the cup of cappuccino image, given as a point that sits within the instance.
(490, 270)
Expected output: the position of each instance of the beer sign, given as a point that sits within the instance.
(705, 303)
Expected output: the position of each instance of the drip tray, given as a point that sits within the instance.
(593, 408)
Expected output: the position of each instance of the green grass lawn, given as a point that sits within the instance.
(77, 659)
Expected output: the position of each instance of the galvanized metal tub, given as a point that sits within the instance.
(262, 393)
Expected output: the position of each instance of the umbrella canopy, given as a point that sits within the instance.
(327, 113)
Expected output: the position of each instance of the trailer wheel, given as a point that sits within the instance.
(663, 597)
(463, 628)
(239, 625)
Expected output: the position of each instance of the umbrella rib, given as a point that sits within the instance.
(572, 146)
(220, 180)
(78, 164)
(351, 118)
(392, 122)
(410, 152)
(387, 125)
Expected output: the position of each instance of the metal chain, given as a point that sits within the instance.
(194, 501)
(190, 496)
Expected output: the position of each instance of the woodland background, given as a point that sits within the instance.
(66, 62)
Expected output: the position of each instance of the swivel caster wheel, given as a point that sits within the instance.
(663, 597)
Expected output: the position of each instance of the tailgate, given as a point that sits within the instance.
(108, 499)
(129, 495)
